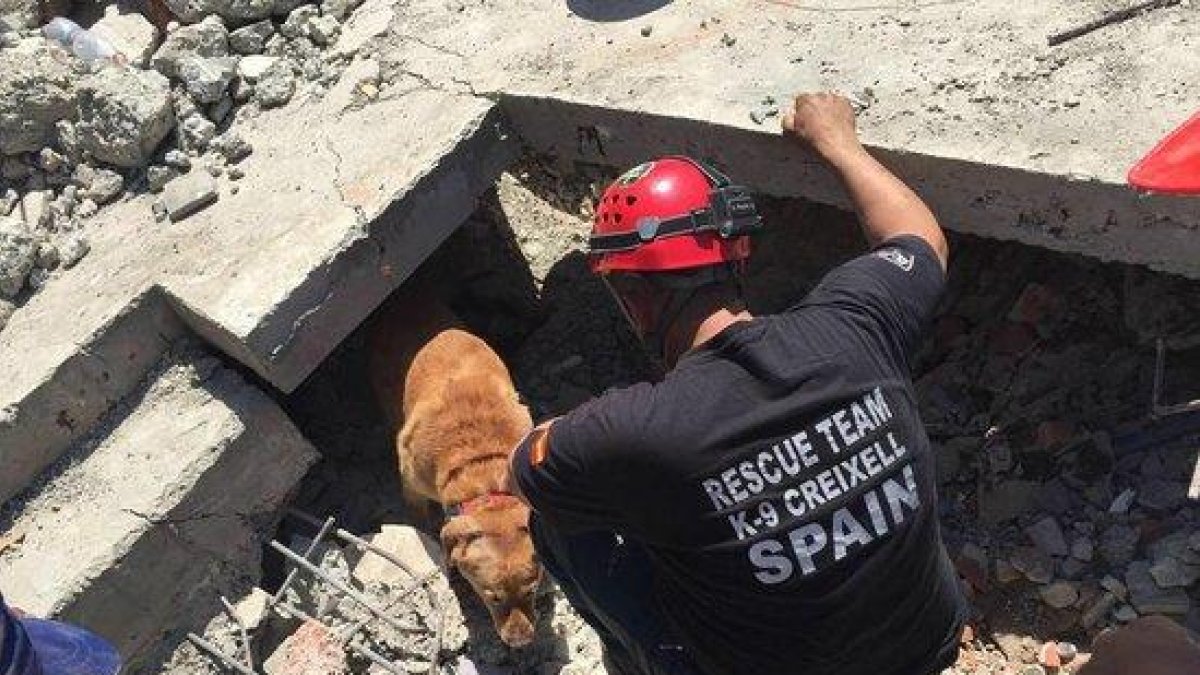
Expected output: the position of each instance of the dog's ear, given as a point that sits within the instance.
(457, 535)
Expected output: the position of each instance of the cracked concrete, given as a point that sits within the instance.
(168, 500)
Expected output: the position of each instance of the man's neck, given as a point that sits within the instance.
(696, 327)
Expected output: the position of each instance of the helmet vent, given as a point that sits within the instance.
(630, 200)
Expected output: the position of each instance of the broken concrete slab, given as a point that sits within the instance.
(276, 275)
(129, 33)
(1037, 153)
(169, 504)
(33, 97)
(417, 550)
(123, 114)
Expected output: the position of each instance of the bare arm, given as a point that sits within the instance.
(886, 207)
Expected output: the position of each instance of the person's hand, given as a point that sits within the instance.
(824, 122)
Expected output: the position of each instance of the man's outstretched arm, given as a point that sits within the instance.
(887, 208)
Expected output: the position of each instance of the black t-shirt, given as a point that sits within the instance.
(782, 482)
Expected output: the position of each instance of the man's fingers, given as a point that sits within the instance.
(788, 121)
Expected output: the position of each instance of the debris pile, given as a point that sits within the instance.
(1064, 502)
(377, 604)
(88, 117)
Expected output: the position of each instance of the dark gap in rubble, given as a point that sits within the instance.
(1034, 383)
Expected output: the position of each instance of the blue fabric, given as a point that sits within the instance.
(40, 647)
(610, 583)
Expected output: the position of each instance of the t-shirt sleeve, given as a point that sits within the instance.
(895, 287)
(570, 473)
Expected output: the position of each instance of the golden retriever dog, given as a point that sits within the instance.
(455, 417)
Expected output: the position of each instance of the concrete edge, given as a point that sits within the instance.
(1104, 220)
(37, 430)
(287, 345)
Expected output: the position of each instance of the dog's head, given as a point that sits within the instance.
(491, 548)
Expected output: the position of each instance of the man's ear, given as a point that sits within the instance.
(457, 535)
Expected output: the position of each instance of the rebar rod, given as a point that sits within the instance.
(324, 530)
(1115, 17)
(341, 586)
(213, 651)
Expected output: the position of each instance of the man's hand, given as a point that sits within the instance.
(887, 208)
(824, 122)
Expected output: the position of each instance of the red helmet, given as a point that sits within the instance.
(674, 213)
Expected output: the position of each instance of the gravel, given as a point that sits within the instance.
(18, 254)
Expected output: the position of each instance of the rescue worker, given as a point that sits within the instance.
(769, 506)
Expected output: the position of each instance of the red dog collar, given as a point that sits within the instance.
(484, 501)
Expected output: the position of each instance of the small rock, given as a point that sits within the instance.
(130, 34)
(196, 132)
(178, 159)
(50, 161)
(251, 68)
(1034, 564)
(160, 211)
(1114, 586)
(1083, 549)
(1148, 598)
(47, 256)
(207, 39)
(647, 30)
(206, 79)
(241, 90)
(73, 249)
(157, 177)
(339, 9)
(1071, 568)
(1125, 614)
(417, 550)
(123, 114)
(323, 30)
(188, 195)
(1118, 544)
(18, 254)
(35, 208)
(1006, 573)
(87, 208)
(252, 609)
(251, 39)
(232, 147)
(9, 201)
(6, 312)
(1067, 651)
(100, 185)
(1060, 594)
(1095, 614)
(297, 21)
(1047, 535)
(1170, 573)
(241, 11)
(276, 85)
(728, 40)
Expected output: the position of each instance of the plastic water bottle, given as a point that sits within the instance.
(91, 48)
(61, 30)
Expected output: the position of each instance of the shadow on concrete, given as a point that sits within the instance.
(614, 10)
